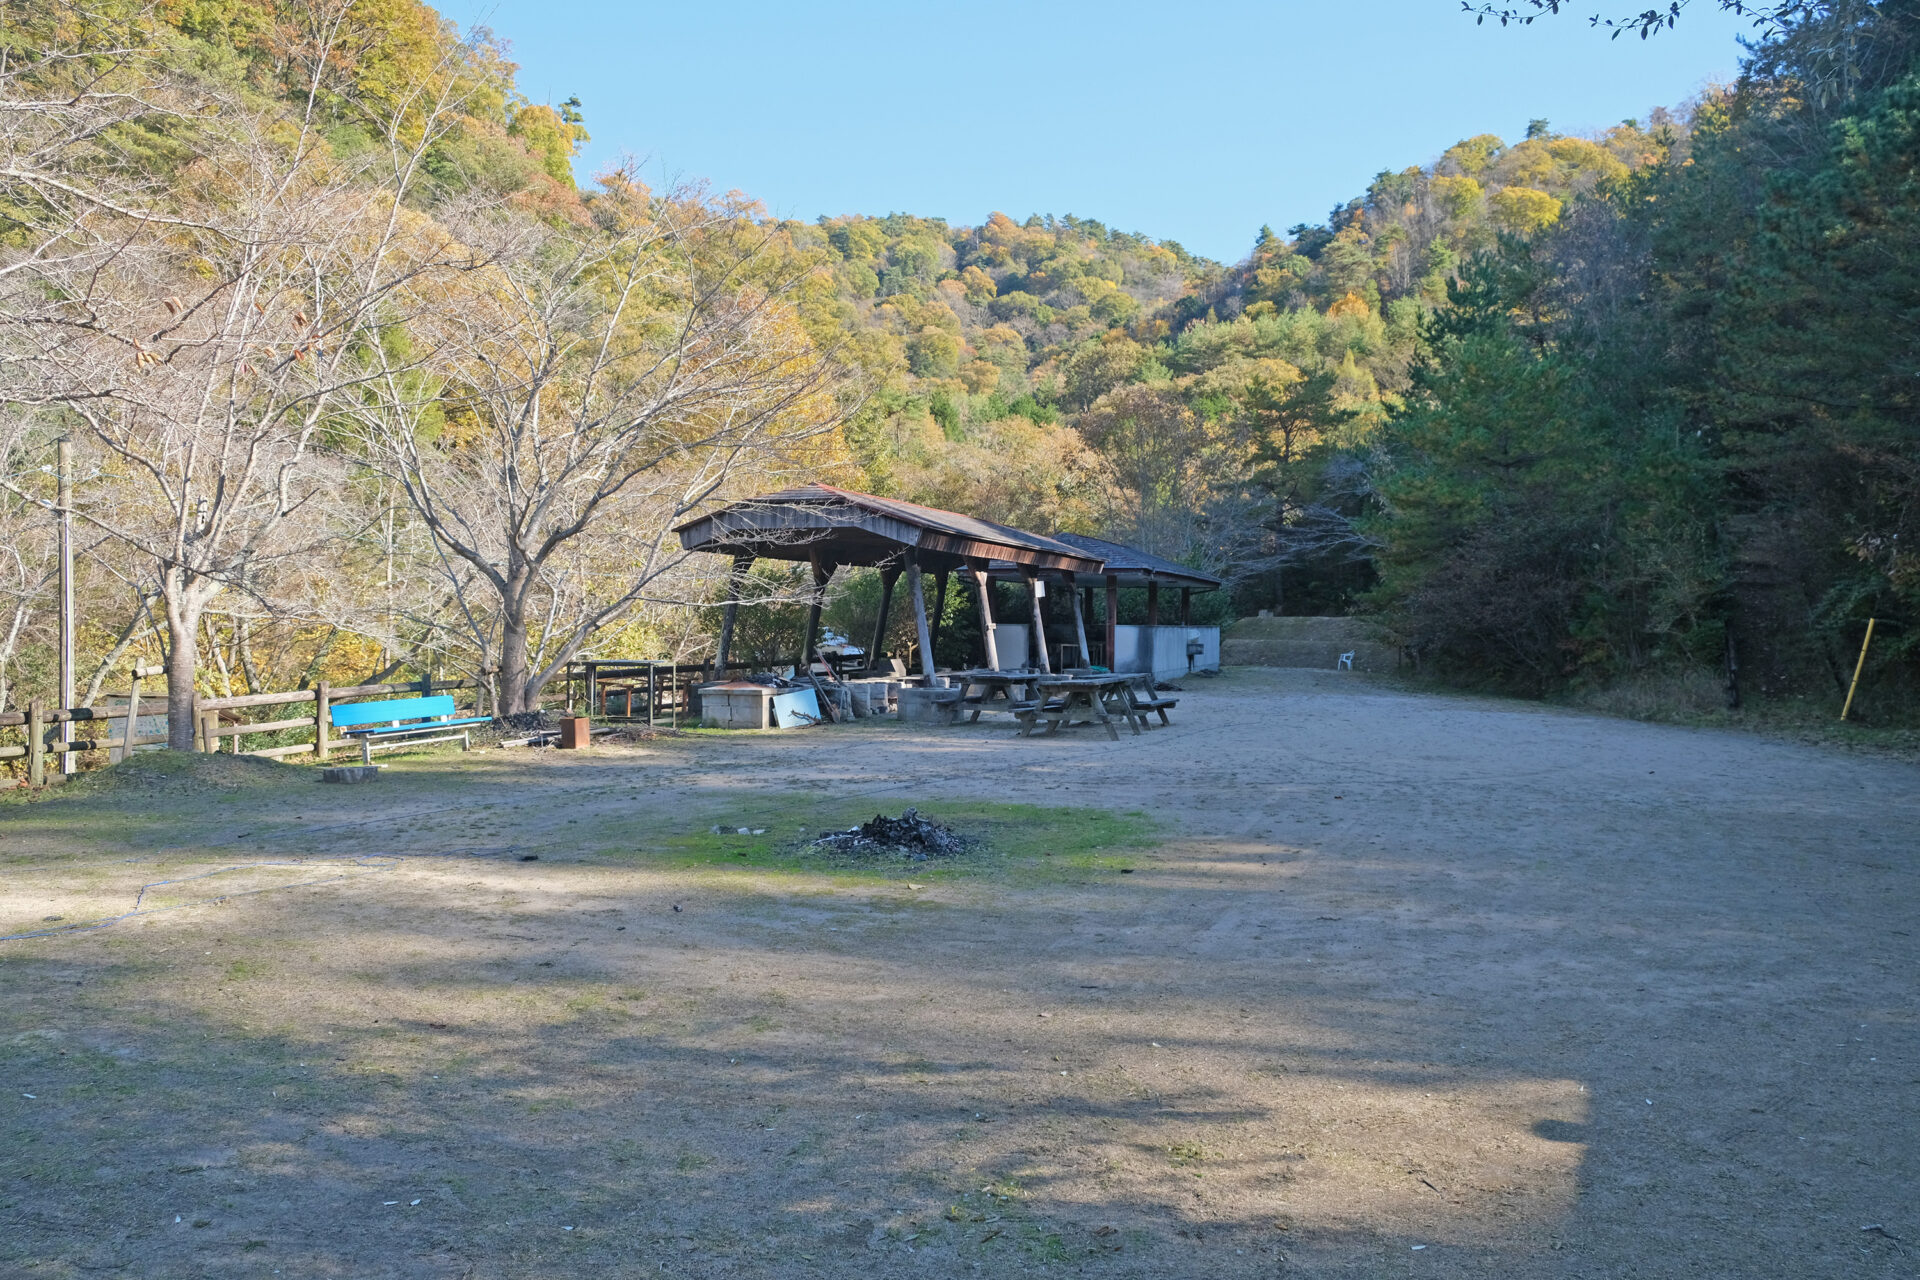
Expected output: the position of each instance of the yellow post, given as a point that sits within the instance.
(1858, 667)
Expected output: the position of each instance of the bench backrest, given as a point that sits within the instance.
(359, 713)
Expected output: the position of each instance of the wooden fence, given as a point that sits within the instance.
(42, 722)
(209, 729)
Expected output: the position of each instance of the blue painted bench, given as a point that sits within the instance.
(400, 722)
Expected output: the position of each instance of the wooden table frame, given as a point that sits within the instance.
(998, 686)
(1102, 697)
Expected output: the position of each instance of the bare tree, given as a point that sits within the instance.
(28, 569)
(198, 331)
(593, 387)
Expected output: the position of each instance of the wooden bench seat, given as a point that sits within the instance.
(1145, 698)
(402, 722)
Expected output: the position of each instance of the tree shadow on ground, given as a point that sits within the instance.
(1215, 1067)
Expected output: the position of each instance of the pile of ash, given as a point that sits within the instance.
(909, 834)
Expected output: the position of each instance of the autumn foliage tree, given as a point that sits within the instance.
(551, 416)
(196, 313)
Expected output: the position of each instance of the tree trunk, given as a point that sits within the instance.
(183, 608)
(517, 696)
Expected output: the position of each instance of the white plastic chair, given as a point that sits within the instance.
(1345, 663)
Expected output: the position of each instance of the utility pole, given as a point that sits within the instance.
(64, 455)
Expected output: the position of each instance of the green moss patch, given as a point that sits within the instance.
(1008, 841)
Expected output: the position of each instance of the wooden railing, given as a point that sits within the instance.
(208, 729)
(42, 722)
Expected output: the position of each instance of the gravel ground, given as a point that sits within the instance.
(1410, 985)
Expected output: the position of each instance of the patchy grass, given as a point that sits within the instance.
(1186, 1153)
(1021, 842)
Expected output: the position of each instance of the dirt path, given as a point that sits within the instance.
(1412, 986)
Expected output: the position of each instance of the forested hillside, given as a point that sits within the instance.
(315, 290)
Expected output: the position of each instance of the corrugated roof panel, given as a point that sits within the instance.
(1120, 558)
(905, 523)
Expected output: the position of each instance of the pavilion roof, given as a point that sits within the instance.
(1128, 566)
(848, 528)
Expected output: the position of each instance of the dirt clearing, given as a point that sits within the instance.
(1327, 979)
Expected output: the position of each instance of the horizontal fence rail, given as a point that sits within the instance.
(208, 728)
(213, 720)
(664, 689)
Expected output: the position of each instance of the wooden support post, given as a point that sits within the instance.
(1034, 589)
(132, 726)
(920, 616)
(593, 687)
(736, 582)
(1153, 603)
(1186, 606)
(983, 593)
(939, 607)
(888, 577)
(822, 572)
(1079, 622)
(322, 718)
(36, 742)
(1113, 617)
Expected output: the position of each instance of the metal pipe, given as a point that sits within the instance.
(64, 453)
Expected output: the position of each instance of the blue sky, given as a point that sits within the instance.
(1196, 122)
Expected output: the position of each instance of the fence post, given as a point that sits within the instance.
(37, 742)
(132, 725)
(322, 718)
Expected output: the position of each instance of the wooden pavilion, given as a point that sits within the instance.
(1121, 566)
(833, 528)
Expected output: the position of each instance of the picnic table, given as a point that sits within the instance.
(982, 688)
(1101, 697)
